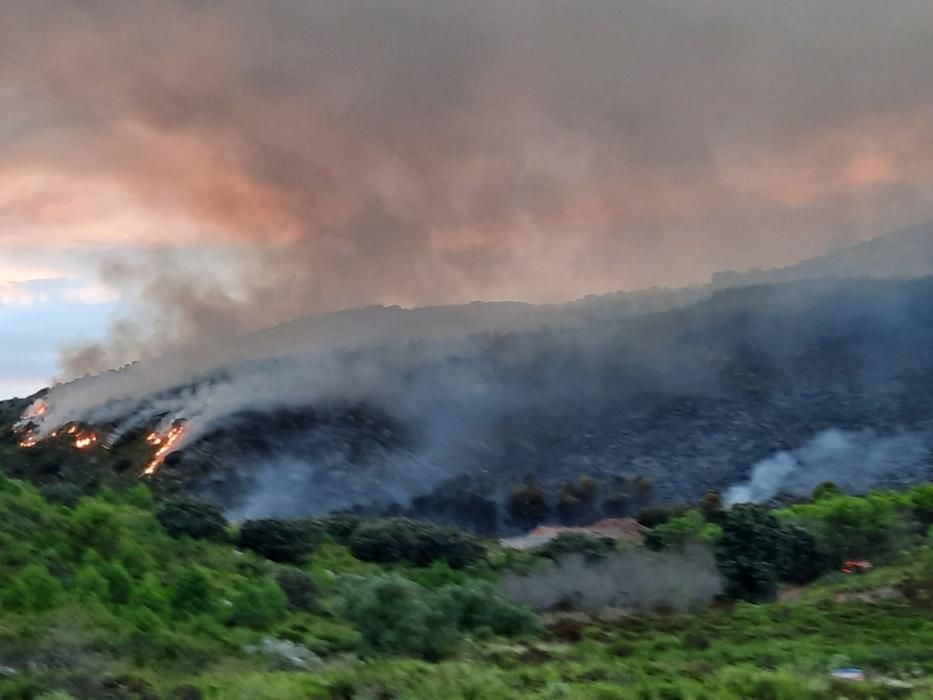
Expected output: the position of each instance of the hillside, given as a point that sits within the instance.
(120, 597)
(690, 399)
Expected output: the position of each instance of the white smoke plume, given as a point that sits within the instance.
(854, 461)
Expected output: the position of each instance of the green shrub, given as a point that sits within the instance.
(152, 596)
(751, 552)
(33, 590)
(94, 525)
(119, 582)
(397, 615)
(653, 516)
(90, 583)
(285, 541)
(477, 605)
(340, 526)
(679, 530)
(195, 519)
(192, 593)
(401, 540)
(140, 497)
(299, 588)
(258, 605)
(590, 546)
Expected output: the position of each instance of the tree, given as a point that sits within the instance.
(195, 519)
(192, 593)
(284, 541)
(34, 590)
(528, 506)
(299, 588)
(399, 539)
(751, 552)
(258, 605)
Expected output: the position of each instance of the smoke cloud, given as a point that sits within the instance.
(291, 156)
(854, 461)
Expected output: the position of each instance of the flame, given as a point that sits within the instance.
(85, 440)
(164, 442)
(29, 441)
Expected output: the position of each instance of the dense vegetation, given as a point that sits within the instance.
(117, 595)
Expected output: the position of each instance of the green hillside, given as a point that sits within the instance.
(119, 596)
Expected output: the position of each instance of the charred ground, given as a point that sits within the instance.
(689, 399)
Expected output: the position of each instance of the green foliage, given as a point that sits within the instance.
(826, 490)
(166, 629)
(90, 584)
(299, 588)
(340, 526)
(119, 582)
(679, 530)
(418, 543)
(33, 590)
(658, 515)
(590, 546)
(150, 595)
(94, 525)
(140, 497)
(851, 527)
(192, 593)
(195, 519)
(751, 552)
(285, 541)
(258, 605)
(478, 606)
(921, 499)
(398, 616)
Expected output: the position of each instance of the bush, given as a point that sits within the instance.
(195, 519)
(590, 546)
(258, 605)
(151, 595)
(340, 526)
(284, 541)
(576, 502)
(192, 593)
(91, 584)
(33, 590)
(528, 506)
(299, 588)
(751, 552)
(94, 525)
(658, 515)
(401, 540)
(477, 606)
(119, 582)
(397, 615)
(678, 531)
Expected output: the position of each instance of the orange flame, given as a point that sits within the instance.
(29, 441)
(165, 443)
(85, 440)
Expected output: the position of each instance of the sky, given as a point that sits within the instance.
(172, 170)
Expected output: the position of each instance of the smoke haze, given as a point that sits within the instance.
(854, 461)
(240, 163)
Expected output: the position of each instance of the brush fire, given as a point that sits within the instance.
(81, 438)
(164, 442)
